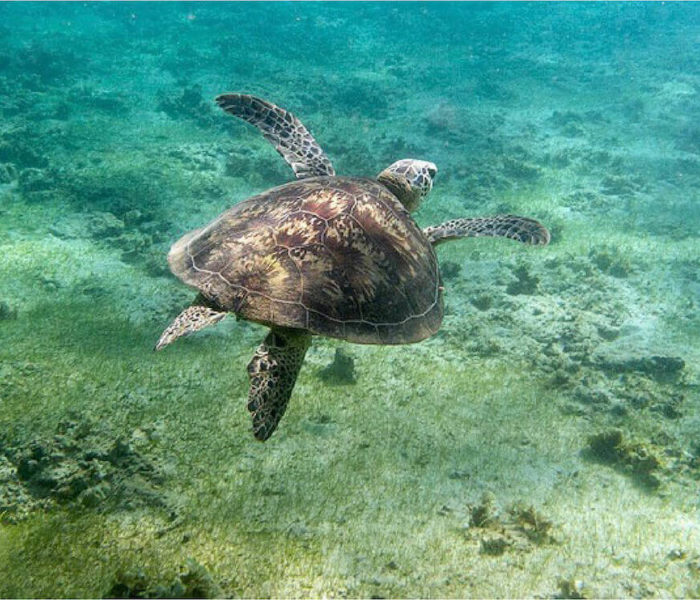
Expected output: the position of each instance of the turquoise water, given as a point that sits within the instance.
(543, 443)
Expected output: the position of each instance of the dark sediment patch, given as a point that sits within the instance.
(341, 371)
(78, 467)
(189, 104)
(450, 269)
(658, 368)
(525, 283)
(7, 311)
(192, 581)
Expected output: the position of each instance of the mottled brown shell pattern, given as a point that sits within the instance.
(337, 256)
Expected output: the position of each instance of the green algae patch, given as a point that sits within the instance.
(192, 581)
(89, 555)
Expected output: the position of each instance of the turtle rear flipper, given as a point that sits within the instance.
(520, 229)
(195, 317)
(273, 372)
(283, 130)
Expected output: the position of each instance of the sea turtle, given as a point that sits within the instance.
(324, 255)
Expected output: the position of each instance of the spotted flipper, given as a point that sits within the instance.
(520, 229)
(273, 372)
(283, 130)
(195, 317)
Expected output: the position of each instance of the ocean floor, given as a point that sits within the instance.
(543, 444)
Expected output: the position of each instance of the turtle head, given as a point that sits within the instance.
(409, 180)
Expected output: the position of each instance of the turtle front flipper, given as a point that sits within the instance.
(520, 229)
(273, 372)
(283, 130)
(195, 317)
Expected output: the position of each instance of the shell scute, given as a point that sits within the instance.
(300, 229)
(338, 256)
(329, 204)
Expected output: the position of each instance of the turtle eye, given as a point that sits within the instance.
(432, 171)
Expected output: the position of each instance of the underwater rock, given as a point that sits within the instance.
(112, 102)
(190, 104)
(259, 170)
(130, 234)
(565, 118)
(15, 149)
(445, 119)
(482, 301)
(104, 225)
(593, 395)
(659, 368)
(130, 584)
(69, 226)
(488, 89)
(48, 64)
(483, 514)
(532, 523)
(586, 201)
(155, 262)
(198, 157)
(35, 180)
(627, 391)
(607, 332)
(520, 170)
(78, 466)
(670, 407)
(15, 503)
(616, 185)
(318, 423)
(358, 96)
(637, 459)
(240, 163)
(358, 156)
(392, 146)
(138, 190)
(135, 244)
(495, 545)
(571, 588)
(689, 140)
(341, 371)
(606, 445)
(62, 110)
(520, 528)
(611, 262)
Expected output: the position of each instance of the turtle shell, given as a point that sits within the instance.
(337, 256)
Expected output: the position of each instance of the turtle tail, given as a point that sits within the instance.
(273, 372)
